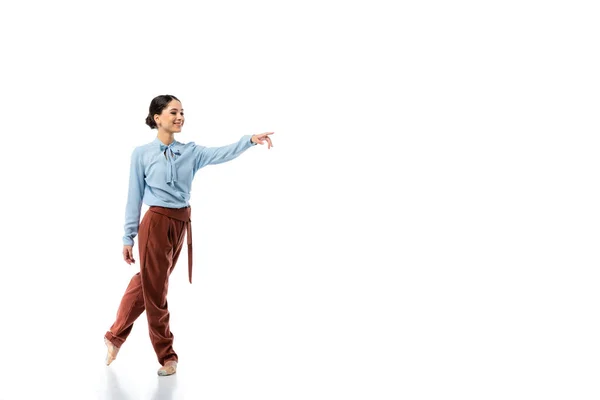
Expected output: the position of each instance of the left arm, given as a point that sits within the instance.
(216, 155)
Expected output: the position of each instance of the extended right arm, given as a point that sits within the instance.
(134, 197)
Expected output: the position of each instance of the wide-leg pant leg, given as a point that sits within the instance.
(160, 246)
(132, 303)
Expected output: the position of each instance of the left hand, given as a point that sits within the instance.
(261, 138)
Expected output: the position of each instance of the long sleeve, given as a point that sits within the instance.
(216, 155)
(134, 197)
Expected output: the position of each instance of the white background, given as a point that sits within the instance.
(425, 227)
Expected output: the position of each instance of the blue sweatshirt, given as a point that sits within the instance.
(162, 175)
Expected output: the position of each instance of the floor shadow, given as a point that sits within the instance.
(165, 388)
(113, 387)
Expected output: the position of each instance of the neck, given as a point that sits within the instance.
(166, 137)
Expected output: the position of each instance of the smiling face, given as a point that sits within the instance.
(171, 118)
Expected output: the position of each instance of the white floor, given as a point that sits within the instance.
(442, 351)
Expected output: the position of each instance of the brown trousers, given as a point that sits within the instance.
(160, 239)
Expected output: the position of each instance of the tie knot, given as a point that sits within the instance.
(164, 147)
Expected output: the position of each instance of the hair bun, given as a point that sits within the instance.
(150, 122)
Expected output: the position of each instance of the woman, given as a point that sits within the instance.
(161, 176)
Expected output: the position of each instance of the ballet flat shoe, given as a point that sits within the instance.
(111, 353)
(169, 368)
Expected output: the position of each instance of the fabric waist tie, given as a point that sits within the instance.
(180, 214)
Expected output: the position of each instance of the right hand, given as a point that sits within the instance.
(128, 254)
